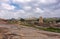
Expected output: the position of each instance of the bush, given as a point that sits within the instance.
(22, 20)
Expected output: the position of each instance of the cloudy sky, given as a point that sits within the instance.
(26, 8)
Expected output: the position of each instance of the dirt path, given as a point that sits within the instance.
(24, 32)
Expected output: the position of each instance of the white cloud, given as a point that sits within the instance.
(6, 14)
(47, 1)
(38, 10)
(1, 13)
(7, 6)
(27, 7)
(4, 0)
(22, 1)
(20, 12)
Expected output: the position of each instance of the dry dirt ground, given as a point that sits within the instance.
(23, 32)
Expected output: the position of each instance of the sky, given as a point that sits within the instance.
(29, 8)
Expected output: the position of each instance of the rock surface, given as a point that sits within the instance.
(23, 32)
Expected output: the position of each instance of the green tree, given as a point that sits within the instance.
(47, 20)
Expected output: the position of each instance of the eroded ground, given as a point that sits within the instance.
(23, 32)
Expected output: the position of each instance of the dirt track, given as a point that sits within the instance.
(23, 32)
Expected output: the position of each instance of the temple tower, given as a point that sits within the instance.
(41, 20)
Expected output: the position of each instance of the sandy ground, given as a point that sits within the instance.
(23, 32)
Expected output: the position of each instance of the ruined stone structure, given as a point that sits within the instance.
(41, 20)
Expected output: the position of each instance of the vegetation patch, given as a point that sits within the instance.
(51, 29)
